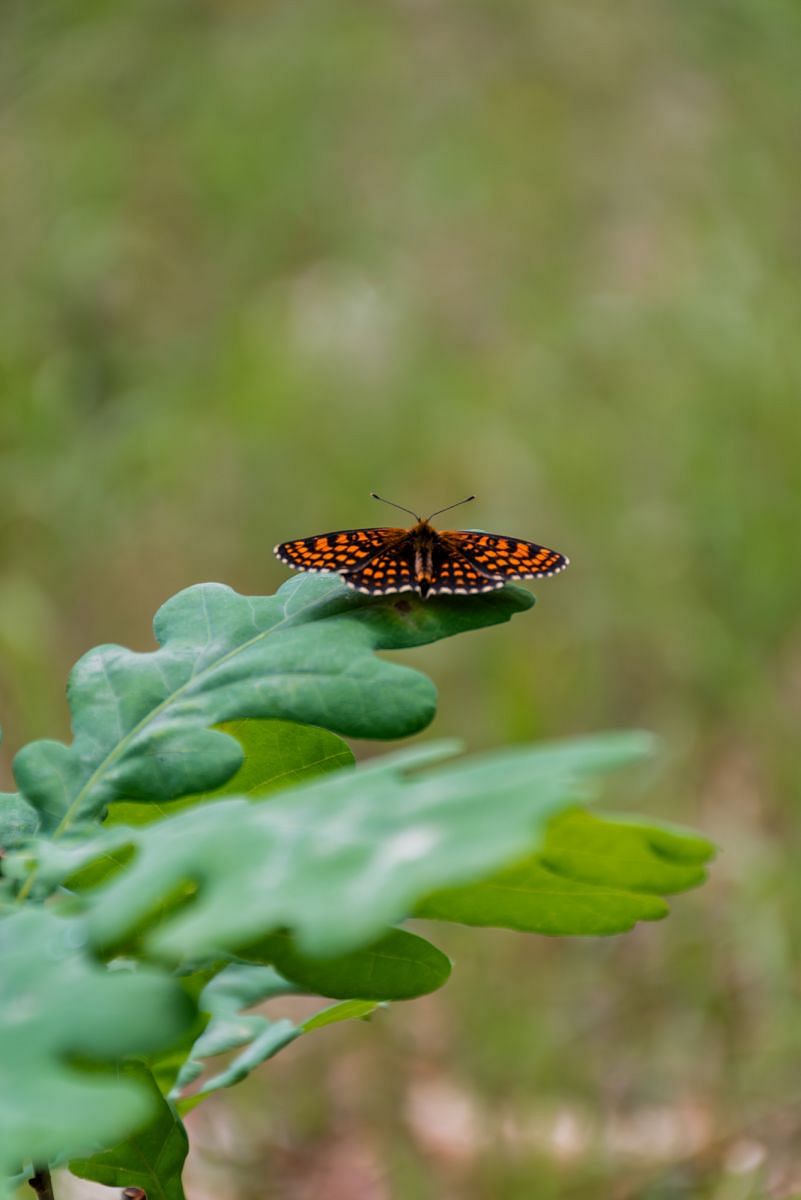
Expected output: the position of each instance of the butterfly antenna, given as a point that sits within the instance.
(394, 505)
(450, 506)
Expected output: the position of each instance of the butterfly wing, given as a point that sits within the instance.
(393, 571)
(456, 575)
(387, 572)
(495, 556)
(343, 550)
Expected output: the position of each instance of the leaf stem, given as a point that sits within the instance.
(42, 1184)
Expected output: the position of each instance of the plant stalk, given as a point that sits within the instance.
(42, 1184)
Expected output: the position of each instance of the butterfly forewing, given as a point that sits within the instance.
(343, 550)
(495, 555)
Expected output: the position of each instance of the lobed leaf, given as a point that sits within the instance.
(142, 722)
(236, 987)
(591, 876)
(628, 852)
(338, 860)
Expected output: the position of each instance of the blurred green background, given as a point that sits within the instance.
(259, 258)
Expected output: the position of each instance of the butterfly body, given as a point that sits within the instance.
(380, 561)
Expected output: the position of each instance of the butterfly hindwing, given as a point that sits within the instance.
(501, 557)
(343, 550)
(456, 575)
(386, 573)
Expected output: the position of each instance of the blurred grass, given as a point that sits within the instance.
(259, 258)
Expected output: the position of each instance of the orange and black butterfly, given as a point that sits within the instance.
(421, 559)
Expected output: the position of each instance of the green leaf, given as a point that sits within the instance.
(142, 722)
(592, 876)
(57, 1007)
(166, 1065)
(236, 987)
(278, 754)
(627, 852)
(348, 1010)
(339, 860)
(151, 1158)
(399, 966)
(530, 898)
(19, 821)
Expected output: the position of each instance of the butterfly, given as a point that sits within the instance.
(422, 559)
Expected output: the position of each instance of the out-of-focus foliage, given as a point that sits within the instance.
(66, 1024)
(258, 259)
(340, 859)
(240, 986)
(225, 997)
(591, 876)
